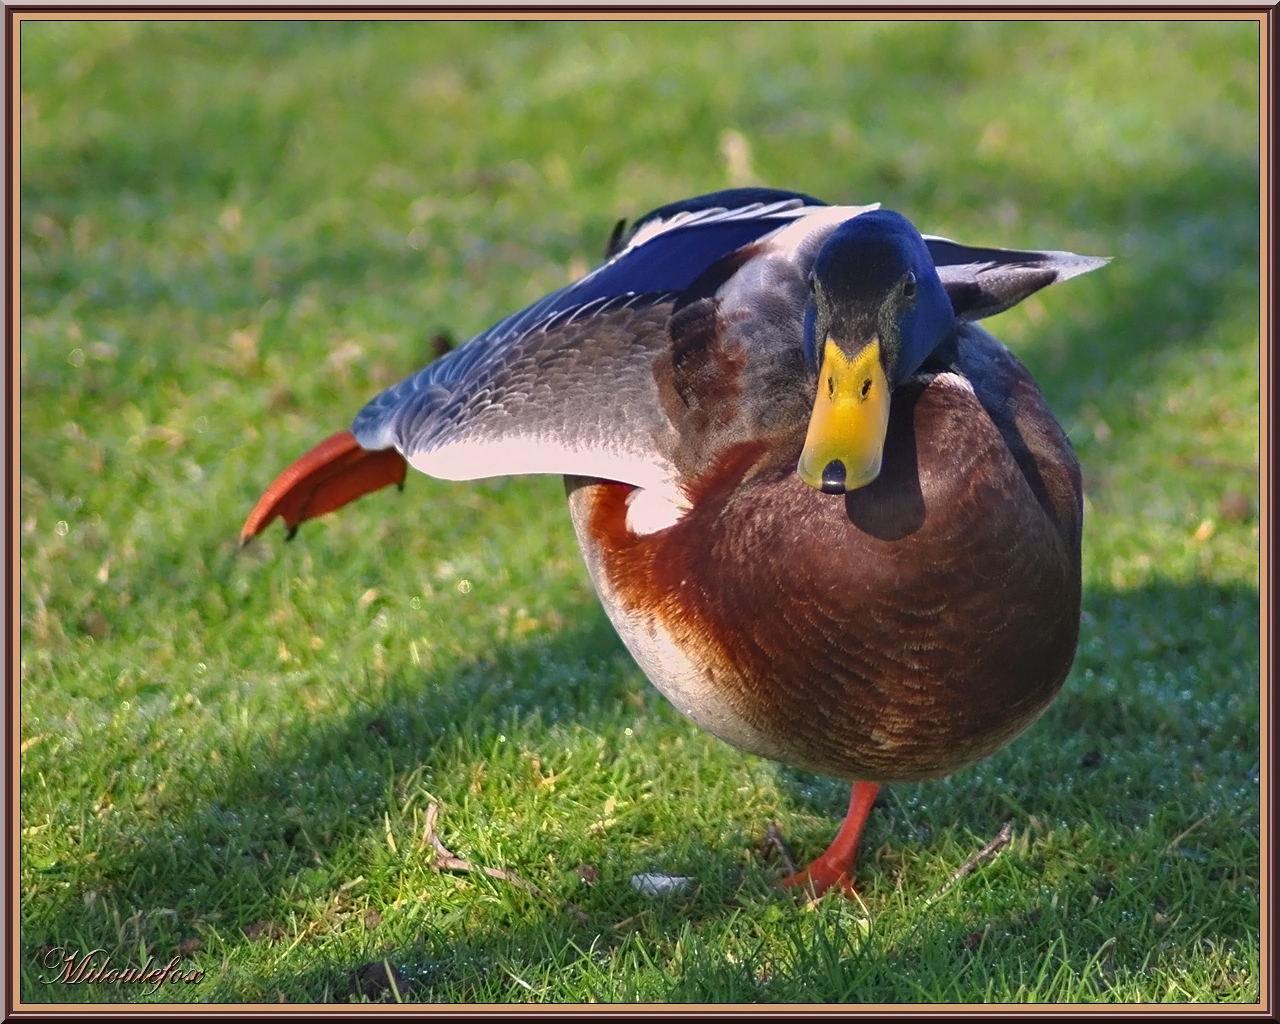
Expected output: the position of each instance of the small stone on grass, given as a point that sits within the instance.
(374, 982)
(268, 930)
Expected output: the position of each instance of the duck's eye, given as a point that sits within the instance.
(831, 387)
(909, 286)
(866, 387)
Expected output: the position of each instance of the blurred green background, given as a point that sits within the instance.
(234, 234)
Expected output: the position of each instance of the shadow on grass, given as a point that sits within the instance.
(1132, 728)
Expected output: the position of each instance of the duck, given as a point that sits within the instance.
(832, 518)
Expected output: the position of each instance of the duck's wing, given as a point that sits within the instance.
(983, 282)
(575, 369)
(633, 373)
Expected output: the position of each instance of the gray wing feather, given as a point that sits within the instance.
(574, 394)
(983, 282)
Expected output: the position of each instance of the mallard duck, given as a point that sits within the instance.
(833, 520)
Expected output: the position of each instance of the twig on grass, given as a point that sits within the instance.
(1173, 843)
(986, 853)
(445, 860)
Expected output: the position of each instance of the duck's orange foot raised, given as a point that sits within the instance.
(832, 867)
(333, 473)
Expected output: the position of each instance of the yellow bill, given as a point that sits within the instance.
(845, 442)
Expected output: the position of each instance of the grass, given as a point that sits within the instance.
(234, 234)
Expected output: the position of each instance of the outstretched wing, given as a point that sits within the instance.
(568, 385)
(663, 257)
(591, 380)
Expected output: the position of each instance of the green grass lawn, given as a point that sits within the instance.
(234, 234)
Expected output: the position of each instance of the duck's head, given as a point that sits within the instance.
(877, 310)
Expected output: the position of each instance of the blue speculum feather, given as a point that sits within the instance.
(729, 199)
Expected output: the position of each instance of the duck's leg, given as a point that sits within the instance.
(833, 866)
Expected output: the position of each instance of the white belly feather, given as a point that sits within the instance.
(689, 686)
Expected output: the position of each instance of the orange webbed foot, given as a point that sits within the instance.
(333, 473)
(833, 867)
(817, 878)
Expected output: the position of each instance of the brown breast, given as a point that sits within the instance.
(900, 632)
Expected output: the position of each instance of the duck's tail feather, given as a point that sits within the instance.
(333, 473)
